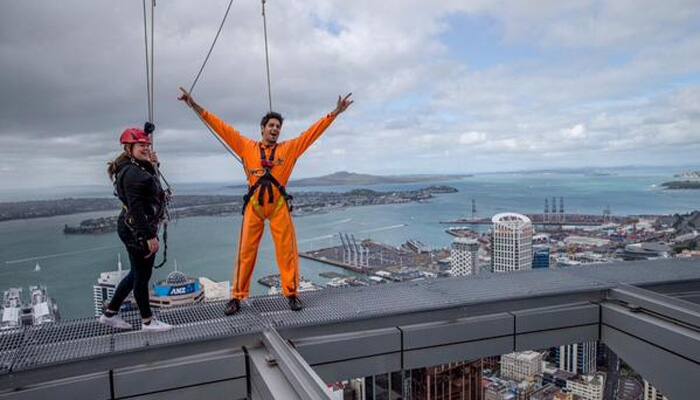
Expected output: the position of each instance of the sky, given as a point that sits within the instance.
(439, 86)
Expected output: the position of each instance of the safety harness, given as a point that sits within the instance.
(265, 184)
(163, 215)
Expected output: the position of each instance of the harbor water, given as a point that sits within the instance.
(207, 246)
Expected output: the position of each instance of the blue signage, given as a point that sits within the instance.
(166, 290)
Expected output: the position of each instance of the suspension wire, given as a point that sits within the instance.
(226, 146)
(150, 94)
(196, 79)
(211, 48)
(153, 91)
(267, 56)
(148, 65)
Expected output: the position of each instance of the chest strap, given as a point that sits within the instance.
(266, 182)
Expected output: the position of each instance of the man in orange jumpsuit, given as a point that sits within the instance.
(268, 166)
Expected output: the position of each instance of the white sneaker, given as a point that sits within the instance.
(115, 322)
(156, 326)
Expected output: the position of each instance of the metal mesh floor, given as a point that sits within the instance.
(53, 344)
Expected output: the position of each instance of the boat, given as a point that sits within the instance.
(12, 309)
(41, 309)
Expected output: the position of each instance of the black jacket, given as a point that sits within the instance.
(138, 187)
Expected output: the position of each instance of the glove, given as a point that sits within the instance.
(149, 128)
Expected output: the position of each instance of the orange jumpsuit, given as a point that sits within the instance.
(255, 214)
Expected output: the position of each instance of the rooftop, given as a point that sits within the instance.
(428, 322)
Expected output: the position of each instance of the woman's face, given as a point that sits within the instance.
(141, 151)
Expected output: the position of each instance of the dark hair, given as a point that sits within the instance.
(269, 116)
(112, 165)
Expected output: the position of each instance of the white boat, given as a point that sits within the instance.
(11, 309)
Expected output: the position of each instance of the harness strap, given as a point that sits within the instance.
(266, 182)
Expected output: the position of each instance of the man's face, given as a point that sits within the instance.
(271, 131)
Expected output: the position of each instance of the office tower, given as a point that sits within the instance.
(459, 380)
(578, 358)
(650, 392)
(106, 285)
(464, 254)
(540, 256)
(511, 243)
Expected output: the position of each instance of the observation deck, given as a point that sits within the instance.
(646, 312)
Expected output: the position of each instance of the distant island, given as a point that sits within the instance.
(353, 179)
(689, 175)
(305, 203)
(681, 185)
(51, 208)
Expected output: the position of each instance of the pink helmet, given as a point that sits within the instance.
(134, 135)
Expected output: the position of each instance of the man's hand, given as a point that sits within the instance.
(187, 98)
(343, 104)
(153, 247)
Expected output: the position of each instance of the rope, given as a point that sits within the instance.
(211, 48)
(267, 56)
(148, 64)
(196, 79)
(226, 146)
(153, 68)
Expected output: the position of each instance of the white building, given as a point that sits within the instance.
(650, 392)
(176, 290)
(464, 256)
(106, 285)
(512, 242)
(215, 291)
(587, 387)
(521, 366)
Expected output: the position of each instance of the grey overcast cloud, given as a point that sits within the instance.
(439, 86)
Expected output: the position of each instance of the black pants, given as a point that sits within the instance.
(139, 274)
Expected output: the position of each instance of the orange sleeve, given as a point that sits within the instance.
(306, 139)
(227, 133)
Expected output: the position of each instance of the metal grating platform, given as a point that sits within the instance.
(84, 339)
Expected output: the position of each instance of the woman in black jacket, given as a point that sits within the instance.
(137, 185)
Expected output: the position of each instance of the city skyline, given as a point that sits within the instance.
(470, 82)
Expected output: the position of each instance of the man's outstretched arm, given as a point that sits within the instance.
(226, 132)
(306, 139)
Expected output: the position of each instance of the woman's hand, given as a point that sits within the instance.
(153, 247)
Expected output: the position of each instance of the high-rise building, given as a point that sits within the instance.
(520, 366)
(384, 386)
(458, 381)
(465, 256)
(650, 392)
(540, 256)
(587, 387)
(577, 358)
(511, 242)
(106, 285)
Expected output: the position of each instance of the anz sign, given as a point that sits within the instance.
(167, 290)
(180, 290)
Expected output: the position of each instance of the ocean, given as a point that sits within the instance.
(206, 246)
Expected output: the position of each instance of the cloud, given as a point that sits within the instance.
(471, 138)
(583, 82)
(576, 132)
